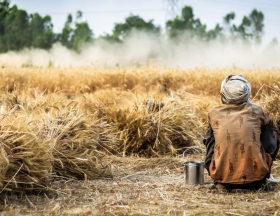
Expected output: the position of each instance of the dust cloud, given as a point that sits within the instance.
(139, 48)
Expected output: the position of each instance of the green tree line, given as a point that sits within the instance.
(19, 30)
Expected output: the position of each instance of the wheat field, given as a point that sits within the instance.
(66, 124)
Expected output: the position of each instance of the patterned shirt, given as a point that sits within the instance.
(239, 156)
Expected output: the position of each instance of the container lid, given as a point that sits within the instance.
(193, 163)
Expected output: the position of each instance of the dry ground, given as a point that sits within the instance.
(143, 186)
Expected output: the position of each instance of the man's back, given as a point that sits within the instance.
(239, 157)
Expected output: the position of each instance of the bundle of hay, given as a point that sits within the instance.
(50, 136)
(75, 140)
(25, 158)
(152, 128)
(271, 104)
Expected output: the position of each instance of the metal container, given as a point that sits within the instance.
(194, 172)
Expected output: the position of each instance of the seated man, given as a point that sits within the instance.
(242, 140)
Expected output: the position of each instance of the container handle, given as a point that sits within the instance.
(193, 147)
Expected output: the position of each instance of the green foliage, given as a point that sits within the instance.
(214, 33)
(74, 38)
(65, 36)
(82, 34)
(19, 30)
(257, 25)
(79, 15)
(15, 30)
(132, 23)
(41, 31)
(111, 38)
(229, 17)
(187, 23)
(250, 28)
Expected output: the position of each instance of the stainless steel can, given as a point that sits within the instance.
(194, 172)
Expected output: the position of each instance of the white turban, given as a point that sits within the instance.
(235, 89)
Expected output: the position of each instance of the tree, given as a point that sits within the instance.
(257, 25)
(187, 23)
(65, 36)
(75, 38)
(19, 30)
(251, 26)
(229, 17)
(132, 23)
(16, 24)
(4, 10)
(214, 33)
(82, 35)
(41, 31)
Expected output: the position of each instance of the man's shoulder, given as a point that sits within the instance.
(255, 107)
(216, 108)
(243, 106)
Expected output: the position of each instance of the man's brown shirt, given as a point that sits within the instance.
(239, 156)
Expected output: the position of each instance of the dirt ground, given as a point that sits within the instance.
(143, 186)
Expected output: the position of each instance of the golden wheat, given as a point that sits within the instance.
(73, 81)
(59, 123)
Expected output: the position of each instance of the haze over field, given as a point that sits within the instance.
(28, 39)
(140, 47)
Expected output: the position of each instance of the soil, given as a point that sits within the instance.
(143, 186)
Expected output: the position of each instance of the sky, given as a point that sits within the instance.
(102, 15)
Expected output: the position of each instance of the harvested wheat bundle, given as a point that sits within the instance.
(4, 165)
(153, 128)
(271, 104)
(25, 163)
(75, 139)
(201, 102)
(71, 139)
